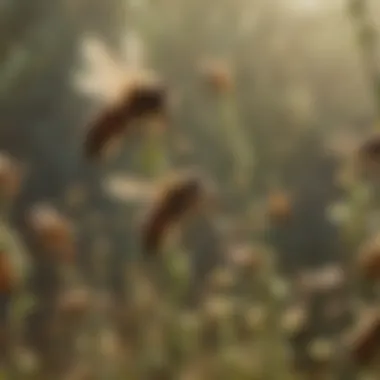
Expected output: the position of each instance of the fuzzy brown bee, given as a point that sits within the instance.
(141, 100)
(365, 341)
(10, 177)
(369, 154)
(178, 199)
(7, 280)
(217, 76)
(369, 259)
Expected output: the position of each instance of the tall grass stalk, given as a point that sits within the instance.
(367, 38)
(237, 144)
(358, 195)
(271, 339)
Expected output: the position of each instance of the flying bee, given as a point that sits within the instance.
(364, 340)
(6, 274)
(180, 198)
(369, 155)
(141, 99)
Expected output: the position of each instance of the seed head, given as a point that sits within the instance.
(10, 177)
(53, 231)
(217, 76)
(279, 207)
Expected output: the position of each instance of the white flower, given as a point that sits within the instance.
(128, 189)
(338, 213)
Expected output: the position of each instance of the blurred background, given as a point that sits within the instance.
(276, 276)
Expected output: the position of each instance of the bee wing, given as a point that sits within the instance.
(103, 75)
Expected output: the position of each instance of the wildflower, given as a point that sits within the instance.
(331, 277)
(295, 319)
(321, 350)
(279, 207)
(80, 372)
(142, 99)
(342, 144)
(256, 317)
(338, 213)
(179, 199)
(217, 76)
(323, 280)
(214, 310)
(222, 279)
(364, 340)
(279, 289)
(110, 344)
(10, 177)
(191, 372)
(128, 189)
(218, 307)
(245, 256)
(53, 230)
(74, 303)
(238, 359)
(28, 361)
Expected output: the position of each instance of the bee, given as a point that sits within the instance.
(364, 342)
(142, 99)
(7, 278)
(179, 198)
(369, 155)
(369, 259)
(10, 177)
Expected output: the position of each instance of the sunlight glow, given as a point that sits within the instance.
(311, 6)
(307, 5)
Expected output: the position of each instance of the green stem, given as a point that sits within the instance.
(273, 340)
(236, 143)
(152, 156)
